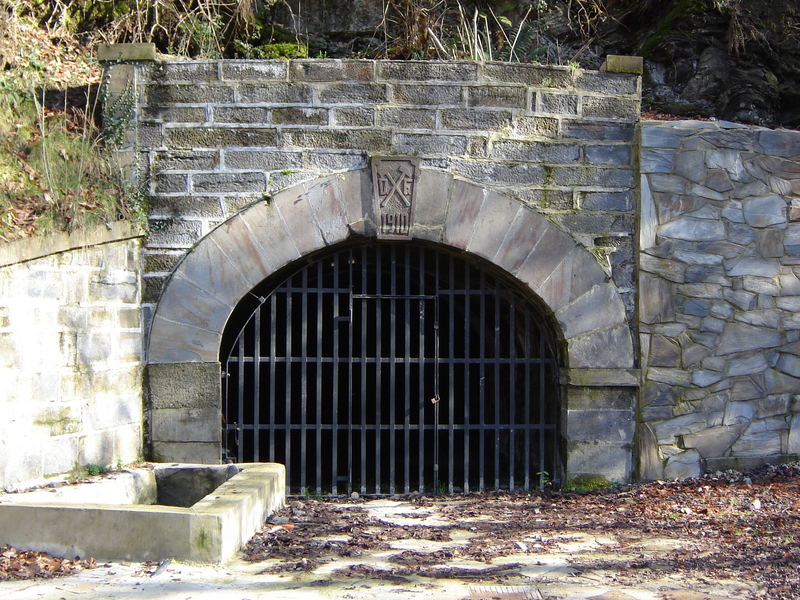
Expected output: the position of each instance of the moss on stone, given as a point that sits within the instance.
(587, 483)
(202, 541)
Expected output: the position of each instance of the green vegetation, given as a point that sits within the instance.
(283, 50)
(587, 483)
(81, 472)
(56, 170)
(95, 470)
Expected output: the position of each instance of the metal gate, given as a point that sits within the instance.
(389, 368)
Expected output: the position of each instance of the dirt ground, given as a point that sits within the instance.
(722, 536)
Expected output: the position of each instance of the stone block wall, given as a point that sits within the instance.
(70, 353)
(719, 297)
(216, 136)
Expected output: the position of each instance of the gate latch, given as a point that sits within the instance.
(435, 399)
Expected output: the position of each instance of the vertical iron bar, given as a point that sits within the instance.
(436, 393)
(392, 374)
(256, 380)
(226, 415)
(527, 351)
(334, 400)
(436, 386)
(378, 367)
(407, 387)
(467, 371)
(272, 354)
(421, 400)
(450, 377)
(240, 414)
(512, 372)
(351, 399)
(482, 387)
(288, 400)
(304, 383)
(541, 409)
(318, 465)
(363, 484)
(496, 399)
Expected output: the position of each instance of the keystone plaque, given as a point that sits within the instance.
(394, 181)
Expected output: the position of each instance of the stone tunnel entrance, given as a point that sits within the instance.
(392, 367)
(368, 330)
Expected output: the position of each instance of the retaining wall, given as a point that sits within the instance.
(720, 295)
(70, 353)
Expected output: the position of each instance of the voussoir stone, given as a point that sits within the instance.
(607, 348)
(599, 308)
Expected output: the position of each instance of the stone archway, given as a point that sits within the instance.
(205, 287)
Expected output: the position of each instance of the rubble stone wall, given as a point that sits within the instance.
(719, 297)
(70, 354)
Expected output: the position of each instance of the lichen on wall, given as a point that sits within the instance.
(719, 297)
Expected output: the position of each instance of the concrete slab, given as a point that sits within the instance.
(212, 530)
(130, 486)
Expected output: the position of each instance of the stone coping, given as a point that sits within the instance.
(211, 531)
(26, 249)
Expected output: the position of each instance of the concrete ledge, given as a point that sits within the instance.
(600, 377)
(212, 530)
(32, 248)
(623, 64)
(135, 486)
(125, 52)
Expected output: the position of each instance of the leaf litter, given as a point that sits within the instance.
(726, 525)
(26, 564)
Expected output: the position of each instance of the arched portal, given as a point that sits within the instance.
(532, 255)
(392, 367)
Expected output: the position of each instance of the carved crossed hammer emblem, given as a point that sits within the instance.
(395, 187)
